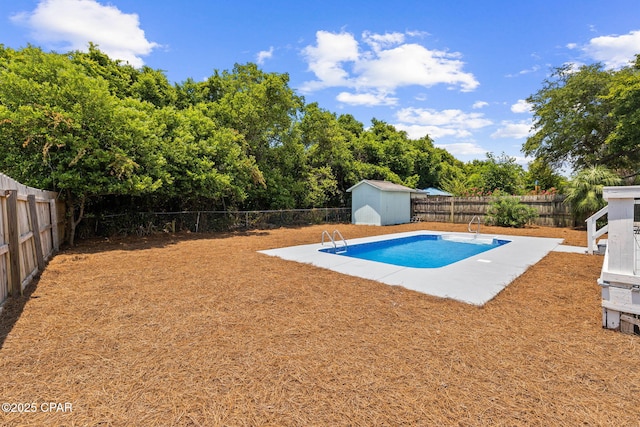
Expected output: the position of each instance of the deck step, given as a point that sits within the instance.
(602, 246)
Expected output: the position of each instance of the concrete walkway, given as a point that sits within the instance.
(570, 249)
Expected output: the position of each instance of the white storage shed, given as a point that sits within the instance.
(380, 203)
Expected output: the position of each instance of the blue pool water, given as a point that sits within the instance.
(421, 251)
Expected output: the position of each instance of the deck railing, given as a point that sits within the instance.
(619, 279)
(592, 229)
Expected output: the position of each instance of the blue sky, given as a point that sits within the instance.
(458, 71)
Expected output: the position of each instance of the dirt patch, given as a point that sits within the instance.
(203, 330)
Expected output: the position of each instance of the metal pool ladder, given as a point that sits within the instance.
(475, 219)
(332, 238)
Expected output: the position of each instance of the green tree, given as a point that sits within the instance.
(584, 192)
(260, 106)
(322, 187)
(190, 93)
(118, 75)
(383, 152)
(328, 144)
(63, 130)
(428, 163)
(394, 148)
(145, 84)
(286, 178)
(540, 174)
(209, 167)
(152, 86)
(349, 124)
(573, 119)
(624, 140)
(452, 177)
(495, 173)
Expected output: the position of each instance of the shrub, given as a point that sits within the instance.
(507, 211)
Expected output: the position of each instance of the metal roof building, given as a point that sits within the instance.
(432, 191)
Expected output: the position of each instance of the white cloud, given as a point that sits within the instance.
(479, 104)
(366, 99)
(72, 24)
(614, 51)
(379, 41)
(326, 58)
(448, 118)
(463, 148)
(438, 124)
(521, 106)
(417, 33)
(533, 69)
(530, 70)
(434, 132)
(516, 130)
(264, 55)
(382, 63)
(412, 64)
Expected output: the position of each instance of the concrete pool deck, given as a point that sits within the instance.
(475, 280)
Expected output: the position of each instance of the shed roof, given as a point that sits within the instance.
(384, 186)
(432, 191)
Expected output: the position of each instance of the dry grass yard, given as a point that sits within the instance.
(200, 330)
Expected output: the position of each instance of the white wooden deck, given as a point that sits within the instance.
(620, 277)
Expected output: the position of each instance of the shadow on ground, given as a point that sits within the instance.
(12, 309)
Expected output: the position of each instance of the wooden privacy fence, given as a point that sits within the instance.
(552, 210)
(31, 230)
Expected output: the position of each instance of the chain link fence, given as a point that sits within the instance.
(146, 223)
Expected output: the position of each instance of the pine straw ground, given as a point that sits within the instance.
(200, 330)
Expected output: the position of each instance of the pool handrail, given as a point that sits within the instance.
(333, 237)
(325, 232)
(471, 222)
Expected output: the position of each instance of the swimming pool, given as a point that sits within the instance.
(474, 280)
(419, 251)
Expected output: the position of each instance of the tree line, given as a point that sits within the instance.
(111, 137)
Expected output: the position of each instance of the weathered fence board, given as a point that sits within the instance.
(4, 250)
(552, 210)
(31, 221)
(13, 241)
